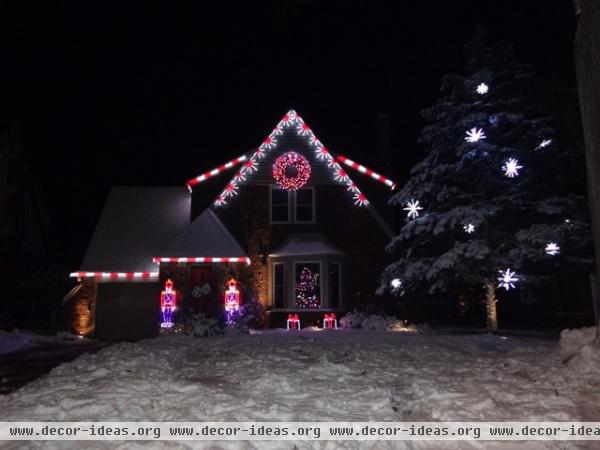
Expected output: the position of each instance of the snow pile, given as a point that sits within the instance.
(348, 375)
(581, 353)
(375, 322)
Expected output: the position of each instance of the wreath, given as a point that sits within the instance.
(291, 171)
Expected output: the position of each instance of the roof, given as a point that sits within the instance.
(206, 236)
(293, 134)
(306, 245)
(290, 127)
(135, 224)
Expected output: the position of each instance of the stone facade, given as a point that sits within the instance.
(80, 309)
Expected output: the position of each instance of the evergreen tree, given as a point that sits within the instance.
(494, 188)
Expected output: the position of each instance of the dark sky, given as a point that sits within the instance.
(129, 93)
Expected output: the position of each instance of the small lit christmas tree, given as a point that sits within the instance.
(307, 290)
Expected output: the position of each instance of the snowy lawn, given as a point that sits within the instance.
(346, 375)
(18, 341)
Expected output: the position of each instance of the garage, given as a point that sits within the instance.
(127, 311)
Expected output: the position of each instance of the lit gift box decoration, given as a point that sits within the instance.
(293, 322)
(329, 321)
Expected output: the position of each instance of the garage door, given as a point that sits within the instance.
(127, 311)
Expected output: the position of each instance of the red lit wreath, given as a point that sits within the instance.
(291, 171)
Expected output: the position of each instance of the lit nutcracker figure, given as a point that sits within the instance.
(168, 304)
(232, 300)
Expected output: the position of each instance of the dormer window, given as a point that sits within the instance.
(289, 206)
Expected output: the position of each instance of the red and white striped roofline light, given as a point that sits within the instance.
(201, 259)
(115, 275)
(364, 170)
(216, 171)
(291, 120)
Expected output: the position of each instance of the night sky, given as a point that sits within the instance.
(133, 94)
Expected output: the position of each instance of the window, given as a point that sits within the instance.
(335, 291)
(305, 205)
(308, 285)
(301, 202)
(280, 205)
(278, 291)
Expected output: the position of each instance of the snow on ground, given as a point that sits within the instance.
(16, 341)
(346, 375)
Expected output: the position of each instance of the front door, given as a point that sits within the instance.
(203, 293)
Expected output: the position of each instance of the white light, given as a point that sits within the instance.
(482, 89)
(552, 248)
(511, 168)
(396, 283)
(544, 143)
(413, 209)
(474, 135)
(507, 279)
(469, 228)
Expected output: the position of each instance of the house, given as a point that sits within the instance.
(290, 226)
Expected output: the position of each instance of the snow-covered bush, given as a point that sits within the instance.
(572, 340)
(352, 320)
(374, 322)
(249, 315)
(581, 352)
(198, 325)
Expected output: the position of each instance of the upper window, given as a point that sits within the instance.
(305, 202)
(280, 205)
(292, 206)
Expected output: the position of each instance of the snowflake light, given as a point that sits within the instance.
(360, 199)
(545, 143)
(291, 171)
(511, 168)
(474, 135)
(413, 209)
(507, 279)
(552, 248)
(482, 89)
(396, 283)
(469, 228)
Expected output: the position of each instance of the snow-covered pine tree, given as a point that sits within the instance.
(494, 188)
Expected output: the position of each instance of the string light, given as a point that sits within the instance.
(552, 248)
(291, 162)
(292, 119)
(232, 300)
(168, 304)
(482, 89)
(469, 228)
